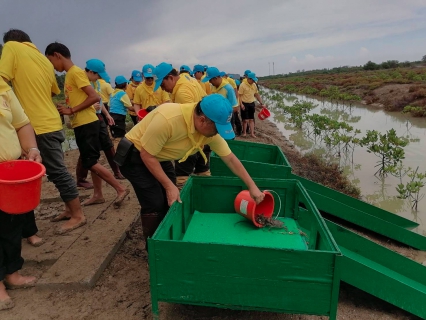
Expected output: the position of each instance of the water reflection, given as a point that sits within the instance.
(358, 164)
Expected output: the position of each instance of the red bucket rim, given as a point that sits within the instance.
(37, 176)
(142, 113)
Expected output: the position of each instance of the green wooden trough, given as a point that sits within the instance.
(203, 253)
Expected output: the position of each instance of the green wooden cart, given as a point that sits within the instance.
(203, 253)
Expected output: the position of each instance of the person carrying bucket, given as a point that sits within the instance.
(220, 86)
(184, 89)
(34, 82)
(144, 95)
(248, 94)
(174, 132)
(16, 133)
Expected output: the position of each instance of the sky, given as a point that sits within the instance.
(270, 36)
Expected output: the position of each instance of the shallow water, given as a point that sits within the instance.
(359, 165)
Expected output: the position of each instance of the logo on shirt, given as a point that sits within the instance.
(6, 105)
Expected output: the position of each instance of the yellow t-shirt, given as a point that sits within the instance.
(222, 90)
(231, 82)
(205, 86)
(33, 80)
(247, 91)
(130, 90)
(76, 79)
(146, 97)
(187, 90)
(106, 90)
(12, 117)
(168, 133)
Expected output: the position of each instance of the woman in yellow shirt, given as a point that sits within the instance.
(135, 81)
(16, 133)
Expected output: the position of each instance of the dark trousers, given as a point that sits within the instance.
(50, 145)
(150, 193)
(29, 227)
(236, 123)
(118, 130)
(134, 119)
(10, 243)
(194, 163)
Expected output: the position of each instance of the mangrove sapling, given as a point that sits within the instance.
(388, 147)
(412, 188)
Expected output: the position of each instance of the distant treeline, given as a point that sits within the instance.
(390, 64)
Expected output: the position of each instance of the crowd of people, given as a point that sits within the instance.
(188, 114)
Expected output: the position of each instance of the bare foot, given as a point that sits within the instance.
(3, 293)
(72, 224)
(35, 241)
(120, 197)
(119, 176)
(253, 136)
(85, 184)
(93, 200)
(18, 281)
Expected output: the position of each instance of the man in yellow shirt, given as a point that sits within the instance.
(174, 132)
(248, 94)
(199, 75)
(135, 81)
(183, 89)
(34, 83)
(80, 97)
(16, 134)
(144, 95)
(221, 86)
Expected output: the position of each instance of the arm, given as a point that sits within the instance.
(92, 98)
(137, 107)
(240, 101)
(28, 142)
(105, 112)
(257, 96)
(238, 169)
(154, 167)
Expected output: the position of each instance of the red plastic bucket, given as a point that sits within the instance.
(20, 185)
(142, 113)
(247, 207)
(263, 114)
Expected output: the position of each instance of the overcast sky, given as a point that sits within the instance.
(232, 35)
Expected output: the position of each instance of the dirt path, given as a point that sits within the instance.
(122, 291)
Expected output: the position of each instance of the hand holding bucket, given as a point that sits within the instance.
(264, 113)
(246, 206)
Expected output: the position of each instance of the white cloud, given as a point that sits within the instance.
(312, 62)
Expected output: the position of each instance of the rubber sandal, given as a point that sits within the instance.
(119, 200)
(6, 304)
(10, 286)
(64, 231)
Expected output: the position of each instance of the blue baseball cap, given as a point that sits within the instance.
(222, 73)
(252, 76)
(211, 72)
(198, 68)
(120, 80)
(160, 72)
(219, 110)
(205, 67)
(237, 82)
(185, 68)
(148, 71)
(98, 66)
(247, 72)
(136, 75)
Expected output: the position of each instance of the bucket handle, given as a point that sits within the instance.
(279, 199)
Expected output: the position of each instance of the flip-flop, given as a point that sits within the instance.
(59, 218)
(118, 201)
(99, 201)
(19, 286)
(6, 304)
(37, 244)
(60, 231)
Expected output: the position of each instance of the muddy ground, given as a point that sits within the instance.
(122, 292)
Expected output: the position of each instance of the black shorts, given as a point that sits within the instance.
(106, 143)
(248, 113)
(89, 145)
